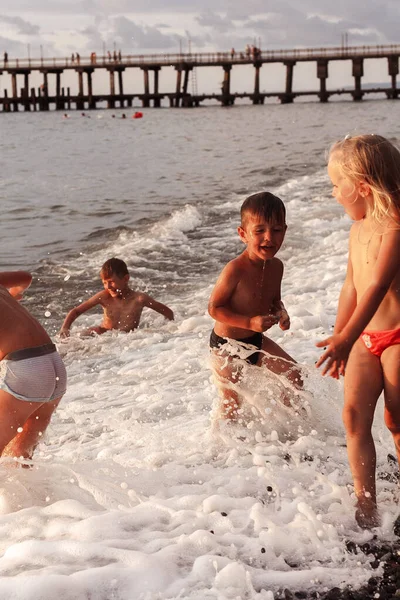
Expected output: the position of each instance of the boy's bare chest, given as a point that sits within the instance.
(123, 310)
(257, 290)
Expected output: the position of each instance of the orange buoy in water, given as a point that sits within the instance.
(137, 115)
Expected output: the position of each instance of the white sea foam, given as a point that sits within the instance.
(137, 492)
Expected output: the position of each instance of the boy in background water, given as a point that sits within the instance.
(122, 306)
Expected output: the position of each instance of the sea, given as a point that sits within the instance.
(137, 490)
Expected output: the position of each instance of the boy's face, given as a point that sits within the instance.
(263, 238)
(114, 285)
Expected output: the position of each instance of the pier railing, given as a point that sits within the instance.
(204, 58)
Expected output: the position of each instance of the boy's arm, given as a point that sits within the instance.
(164, 310)
(218, 306)
(79, 310)
(16, 282)
(385, 270)
(279, 307)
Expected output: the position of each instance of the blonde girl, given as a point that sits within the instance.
(365, 345)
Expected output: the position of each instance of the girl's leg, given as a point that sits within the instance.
(362, 387)
(390, 361)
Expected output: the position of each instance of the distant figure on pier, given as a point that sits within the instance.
(93, 58)
(72, 57)
(119, 56)
(115, 56)
(247, 51)
(5, 58)
(109, 55)
(233, 53)
(122, 306)
(78, 59)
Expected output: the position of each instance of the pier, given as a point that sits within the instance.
(24, 97)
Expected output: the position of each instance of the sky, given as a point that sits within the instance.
(58, 27)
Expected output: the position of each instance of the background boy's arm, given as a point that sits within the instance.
(164, 310)
(16, 282)
(385, 270)
(218, 306)
(79, 310)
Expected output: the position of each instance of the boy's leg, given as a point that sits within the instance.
(25, 442)
(363, 385)
(227, 375)
(390, 361)
(279, 362)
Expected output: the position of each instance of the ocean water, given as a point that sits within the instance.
(137, 492)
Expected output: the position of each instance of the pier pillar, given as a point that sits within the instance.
(33, 99)
(111, 101)
(287, 97)
(393, 63)
(322, 74)
(358, 72)
(14, 91)
(120, 88)
(226, 86)
(80, 103)
(146, 100)
(178, 86)
(256, 96)
(26, 91)
(45, 88)
(59, 95)
(157, 99)
(6, 103)
(91, 102)
(186, 98)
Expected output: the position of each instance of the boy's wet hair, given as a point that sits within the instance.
(264, 205)
(114, 266)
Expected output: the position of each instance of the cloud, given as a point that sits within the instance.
(22, 27)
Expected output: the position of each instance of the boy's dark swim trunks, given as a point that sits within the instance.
(255, 340)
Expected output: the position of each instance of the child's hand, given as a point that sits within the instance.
(263, 322)
(63, 333)
(335, 355)
(284, 320)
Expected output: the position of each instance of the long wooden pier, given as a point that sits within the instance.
(185, 65)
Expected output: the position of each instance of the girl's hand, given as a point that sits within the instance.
(335, 356)
(284, 320)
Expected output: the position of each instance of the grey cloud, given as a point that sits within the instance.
(23, 27)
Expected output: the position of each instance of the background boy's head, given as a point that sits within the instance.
(115, 275)
(264, 206)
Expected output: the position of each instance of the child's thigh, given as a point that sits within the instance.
(225, 366)
(276, 359)
(363, 382)
(390, 361)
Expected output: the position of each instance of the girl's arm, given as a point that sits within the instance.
(347, 300)
(386, 268)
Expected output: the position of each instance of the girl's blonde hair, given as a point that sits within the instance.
(375, 160)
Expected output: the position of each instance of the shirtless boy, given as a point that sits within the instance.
(33, 375)
(246, 300)
(121, 305)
